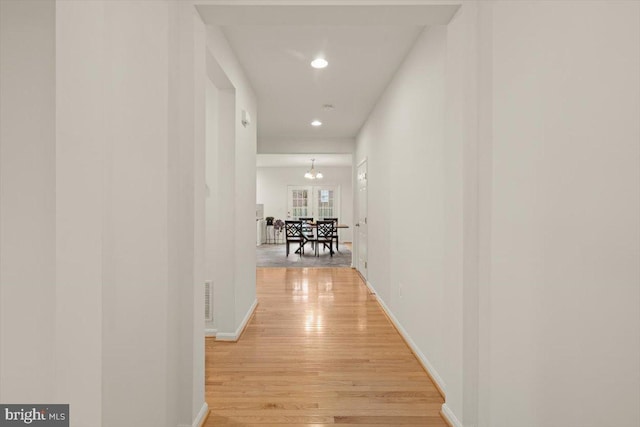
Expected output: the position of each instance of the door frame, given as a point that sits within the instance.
(355, 259)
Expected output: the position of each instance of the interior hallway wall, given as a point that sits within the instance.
(547, 150)
(404, 143)
(238, 150)
(100, 125)
(27, 201)
(221, 206)
(306, 145)
(562, 315)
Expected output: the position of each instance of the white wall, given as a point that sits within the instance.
(221, 210)
(531, 201)
(564, 318)
(101, 291)
(80, 111)
(136, 237)
(272, 183)
(27, 201)
(236, 292)
(306, 145)
(404, 143)
(187, 192)
(212, 215)
(454, 166)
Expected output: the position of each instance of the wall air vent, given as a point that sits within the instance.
(208, 301)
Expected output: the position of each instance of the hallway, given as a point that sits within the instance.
(318, 351)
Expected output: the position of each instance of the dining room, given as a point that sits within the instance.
(304, 210)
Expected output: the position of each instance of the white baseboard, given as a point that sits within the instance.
(421, 357)
(449, 416)
(200, 418)
(202, 415)
(234, 336)
(373, 291)
(209, 332)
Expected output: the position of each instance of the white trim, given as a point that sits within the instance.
(210, 332)
(449, 416)
(202, 415)
(373, 291)
(421, 357)
(226, 336)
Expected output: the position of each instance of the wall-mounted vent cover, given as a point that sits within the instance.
(208, 301)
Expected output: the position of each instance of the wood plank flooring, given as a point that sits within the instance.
(319, 351)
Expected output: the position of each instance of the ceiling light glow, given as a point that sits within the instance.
(319, 63)
(311, 173)
(316, 123)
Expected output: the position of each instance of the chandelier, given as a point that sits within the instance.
(312, 174)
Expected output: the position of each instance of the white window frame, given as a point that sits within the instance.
(312, 207)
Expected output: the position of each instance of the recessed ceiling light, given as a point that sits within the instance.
(319, 63)
(316, 123)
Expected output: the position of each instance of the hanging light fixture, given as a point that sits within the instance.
(312, 174)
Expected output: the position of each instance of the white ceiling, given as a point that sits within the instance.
(303, 160)
(364, 46)
(291, 93)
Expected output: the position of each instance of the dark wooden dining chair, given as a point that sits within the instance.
(335, 231)
(324, 235)
(307, 230)
(293, 232)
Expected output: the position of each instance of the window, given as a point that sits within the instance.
(325, 204)
(299, 203)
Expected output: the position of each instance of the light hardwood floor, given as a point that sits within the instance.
(319, 351)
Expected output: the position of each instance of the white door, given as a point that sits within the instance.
(299, 202)
(326, 202)
(361, 225)
(316, 202)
